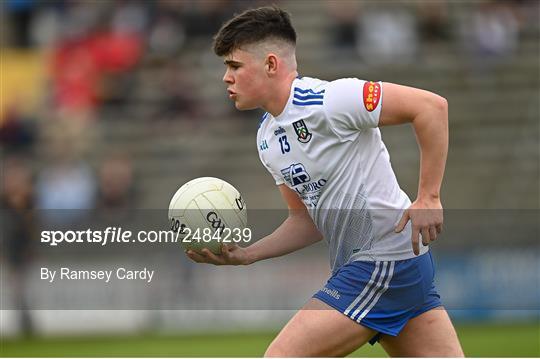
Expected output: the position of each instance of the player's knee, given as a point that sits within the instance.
(458, 352)
(448, 351)
(273, 353)
(454, 353)
(276, 350)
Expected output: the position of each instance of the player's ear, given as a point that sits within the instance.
(271, 64)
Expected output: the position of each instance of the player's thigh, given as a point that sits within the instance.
(431, 334)
(319, 330)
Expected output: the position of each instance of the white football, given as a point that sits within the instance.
(204, 206)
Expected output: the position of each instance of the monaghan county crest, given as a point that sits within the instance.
(302, 131)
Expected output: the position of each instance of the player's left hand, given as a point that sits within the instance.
(230, 255)
(426, 219)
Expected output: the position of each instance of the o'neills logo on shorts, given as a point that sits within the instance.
(372, 95)
(331, 292)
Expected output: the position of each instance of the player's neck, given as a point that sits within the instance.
(278, 101)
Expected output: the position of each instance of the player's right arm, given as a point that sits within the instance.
(296, 232)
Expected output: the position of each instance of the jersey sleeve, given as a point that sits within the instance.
(278, 179)
(352, 105)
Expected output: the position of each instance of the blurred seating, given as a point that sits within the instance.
(171, 115)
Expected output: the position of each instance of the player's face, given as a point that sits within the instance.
(245, 78)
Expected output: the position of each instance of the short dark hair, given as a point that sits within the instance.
(252, 26)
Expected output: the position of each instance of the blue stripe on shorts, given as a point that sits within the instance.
(383, 295)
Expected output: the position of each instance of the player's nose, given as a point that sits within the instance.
(227, 78)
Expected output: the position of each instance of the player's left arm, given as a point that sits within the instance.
(428, 113)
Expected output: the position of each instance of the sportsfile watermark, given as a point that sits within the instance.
(197, 227)
(135, 259)
(119, 235)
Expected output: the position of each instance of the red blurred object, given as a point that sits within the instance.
(117, 52)
(79, 66)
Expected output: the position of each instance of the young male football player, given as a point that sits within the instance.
(321, 143)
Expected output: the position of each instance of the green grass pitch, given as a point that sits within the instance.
(486, 340)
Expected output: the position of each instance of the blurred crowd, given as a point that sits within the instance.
(98, 57)
(106, 60)
(120, 58)
(97, 48)
(393, 33)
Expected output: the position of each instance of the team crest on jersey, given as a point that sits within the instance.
(295, 174)
(302, 131)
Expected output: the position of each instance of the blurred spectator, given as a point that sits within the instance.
(387, 36)
(116, 190)
(75, 76)
(66, 185)
(167, 90)
(92, 49)
(130, 16)
(176, 100)
(18, 227)
(433, 20)
(16, 131)
(20, 14)
(167, 35)
(120, 49)
(47, 23)
(492, 33)
(203, 18)
(344, 18)
(528, 15)
(80, 66)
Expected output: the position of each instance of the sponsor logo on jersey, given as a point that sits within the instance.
(310, 192)
(295, 174)
(372, 95)
(302, 131)
(311, 186)
(279, 131)
(263, 145)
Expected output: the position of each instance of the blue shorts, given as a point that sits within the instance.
(383, 295)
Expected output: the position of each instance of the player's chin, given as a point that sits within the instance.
(243, 106)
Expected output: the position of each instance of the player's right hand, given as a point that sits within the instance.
(230, 255)
(426, 218)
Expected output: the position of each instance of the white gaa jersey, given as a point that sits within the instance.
(326, 147)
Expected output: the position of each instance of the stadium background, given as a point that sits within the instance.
(112, 105)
